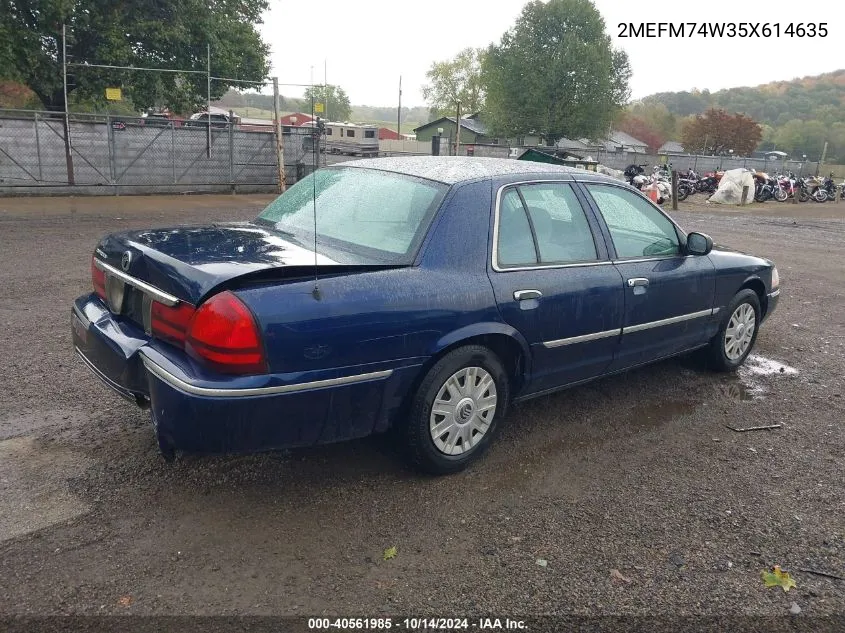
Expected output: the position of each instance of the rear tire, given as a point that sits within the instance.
(455, 411)
(737, 333)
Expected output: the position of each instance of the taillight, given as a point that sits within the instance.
(223, 334)
(171, 323)
(98, 278)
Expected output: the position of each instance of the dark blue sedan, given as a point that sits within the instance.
(424, 294)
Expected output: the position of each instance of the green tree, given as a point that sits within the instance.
(334, 99)
(555, 73)
(657, 116)
(454, 81)
(170, 34)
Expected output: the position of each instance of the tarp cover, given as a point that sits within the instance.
(731, 185)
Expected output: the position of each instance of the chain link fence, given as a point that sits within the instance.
(703, 163)
(116, 154)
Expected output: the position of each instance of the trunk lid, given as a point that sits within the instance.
(189, 262)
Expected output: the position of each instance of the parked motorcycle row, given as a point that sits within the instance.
(657, 186)
(780, 187)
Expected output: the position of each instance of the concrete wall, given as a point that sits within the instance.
(134, 158)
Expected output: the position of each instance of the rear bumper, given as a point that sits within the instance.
(197, 411)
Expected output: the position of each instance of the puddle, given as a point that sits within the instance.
(655, 413)
(762, 366)
(736, 389)
(33, 485)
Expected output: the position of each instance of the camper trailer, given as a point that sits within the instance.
(349, 138)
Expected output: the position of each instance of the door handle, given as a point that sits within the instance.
(637, 281)
(522, 295)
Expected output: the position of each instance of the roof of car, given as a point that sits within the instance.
(455, 169)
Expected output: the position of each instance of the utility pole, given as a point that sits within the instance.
(280, 141)
(458, 132)
(821, 160)
(208, 101)
(399, 110)
(326, 89)
(68, 147)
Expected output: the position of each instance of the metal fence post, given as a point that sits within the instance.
(232, 149)
(110, 143)
(173, 148)
(38, 149)
(674, 190)
(280, 141)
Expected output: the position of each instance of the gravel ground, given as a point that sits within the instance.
(635, 473)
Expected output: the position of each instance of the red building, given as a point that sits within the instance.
(386, 134)
(301, 118)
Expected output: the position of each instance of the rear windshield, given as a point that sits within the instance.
(363, 216)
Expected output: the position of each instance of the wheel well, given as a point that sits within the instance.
(757, 286)
(506, 348)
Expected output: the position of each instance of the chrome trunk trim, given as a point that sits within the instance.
(155, 293)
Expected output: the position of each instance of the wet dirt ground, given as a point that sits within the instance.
(636, 473)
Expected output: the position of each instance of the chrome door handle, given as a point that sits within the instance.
(522, 295)
(637, 281)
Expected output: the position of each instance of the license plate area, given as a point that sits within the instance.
(79, 328)
(115, 293)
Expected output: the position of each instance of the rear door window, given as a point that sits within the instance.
(560, 224)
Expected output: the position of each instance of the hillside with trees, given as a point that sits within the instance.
(796, 116)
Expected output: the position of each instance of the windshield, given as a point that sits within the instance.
(363, 215)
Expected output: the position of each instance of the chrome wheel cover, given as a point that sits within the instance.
(463, 411)
(740, 331)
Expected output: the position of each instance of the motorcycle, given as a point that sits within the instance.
(829, 187)
(764, 187)
(635, 176)
(710, 182)
(810, 188)
(785, 187)
(687, 184)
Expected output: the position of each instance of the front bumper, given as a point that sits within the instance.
(198, 411)
(771, 303)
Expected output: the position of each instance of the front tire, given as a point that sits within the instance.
(737, 333)
(455, 411)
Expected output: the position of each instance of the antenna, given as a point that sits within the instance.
(315, 141)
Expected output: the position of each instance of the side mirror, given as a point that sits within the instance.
(699, 244)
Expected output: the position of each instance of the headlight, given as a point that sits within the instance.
(775, 279)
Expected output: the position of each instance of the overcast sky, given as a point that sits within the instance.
(368, 44)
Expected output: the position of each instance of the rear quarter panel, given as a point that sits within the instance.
(367, 320)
